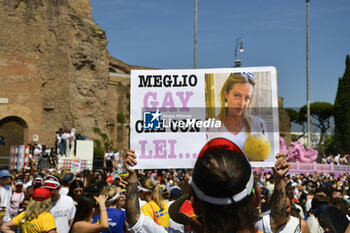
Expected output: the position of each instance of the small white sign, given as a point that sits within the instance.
(35, 138)
(4, 100)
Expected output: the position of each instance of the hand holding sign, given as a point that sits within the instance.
(130, 161)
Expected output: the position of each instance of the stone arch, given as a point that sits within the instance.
(18, 111)
(13, 130)
(19, 116)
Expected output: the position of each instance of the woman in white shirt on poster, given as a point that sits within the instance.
(235, 99)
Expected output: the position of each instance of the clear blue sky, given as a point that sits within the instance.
(160, 34)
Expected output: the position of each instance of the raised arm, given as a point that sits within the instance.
(88, 227)
(279, 216)
(132, 205)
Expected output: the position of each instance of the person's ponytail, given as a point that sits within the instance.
(157, 196)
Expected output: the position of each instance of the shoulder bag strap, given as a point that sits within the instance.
(154, 214)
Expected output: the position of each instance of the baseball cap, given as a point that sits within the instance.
(220, 144)
(223, 144)
(175, 193)
(38, 179)
(41, 194)
(68, 177)
(51, 183)
(4, 173)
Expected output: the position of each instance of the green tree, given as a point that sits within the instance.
(342, 111)
(297, 118)
(321, 114)
(100, 148)
(330, 145)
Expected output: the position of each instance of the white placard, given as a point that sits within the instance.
(174, 113)
(85, 151)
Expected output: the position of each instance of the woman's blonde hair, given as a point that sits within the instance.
(156, 194)
(35, 208)
(110, 191)
(226, 88)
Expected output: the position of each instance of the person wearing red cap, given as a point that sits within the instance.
(230, 207)
(63, 208)
(36, 218)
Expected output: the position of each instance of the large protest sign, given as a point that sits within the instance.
(174, 112)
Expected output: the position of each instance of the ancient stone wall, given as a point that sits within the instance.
(118, 110)
(53, 66)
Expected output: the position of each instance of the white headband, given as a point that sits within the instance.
(51, 182)
(140, 188)
(224, 200)
(113, 198)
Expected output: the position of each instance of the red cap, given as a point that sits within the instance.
(51, 183)
(220, 144)
(41, 194)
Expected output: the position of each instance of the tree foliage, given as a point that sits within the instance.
(330, 145)
(106, 142)
(342, 111)
(321, 114)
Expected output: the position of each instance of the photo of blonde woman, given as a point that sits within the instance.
(243, 104)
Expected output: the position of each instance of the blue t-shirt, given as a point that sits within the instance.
(116, 220)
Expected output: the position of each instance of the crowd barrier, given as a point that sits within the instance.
(310, 168)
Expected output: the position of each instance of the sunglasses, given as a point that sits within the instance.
(249, 76)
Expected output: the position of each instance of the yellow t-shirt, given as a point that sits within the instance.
(156, 212)
(43, 223)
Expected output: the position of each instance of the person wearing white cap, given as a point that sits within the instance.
(63, 208)
(38, 180)
(229, 207)
(5, 193)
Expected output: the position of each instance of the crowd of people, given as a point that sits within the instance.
(308, 195)
(221, 194)
(338, 159)
(42, 157)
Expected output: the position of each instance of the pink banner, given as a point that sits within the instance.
(309, 168)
